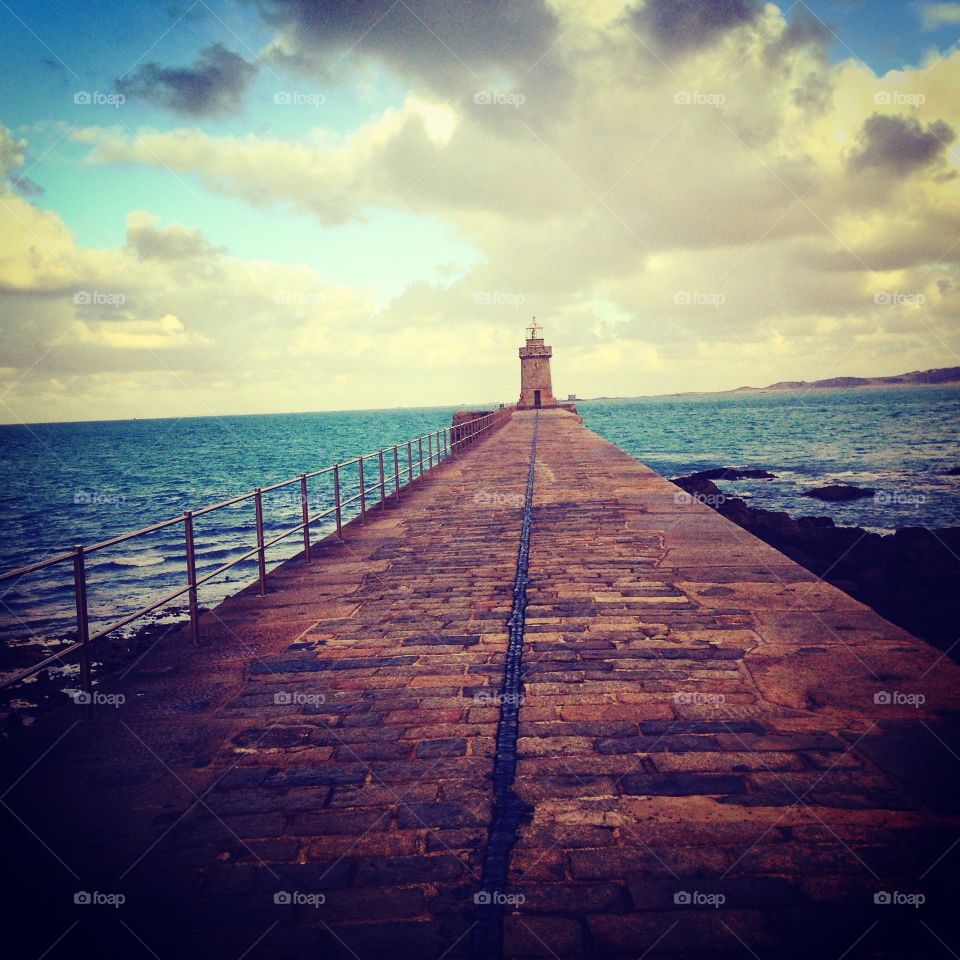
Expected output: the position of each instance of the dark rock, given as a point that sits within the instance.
(815, 523)
(837, 491)
(697, 486)
(732, 473)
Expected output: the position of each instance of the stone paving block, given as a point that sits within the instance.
(340, 822)
(540, 936)
(672, 934)
(442, 814)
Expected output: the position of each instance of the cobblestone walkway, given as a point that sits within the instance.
(718, 754)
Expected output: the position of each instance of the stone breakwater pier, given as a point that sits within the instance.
(544, 707)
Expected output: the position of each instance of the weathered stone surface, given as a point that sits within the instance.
(783, 729)
(699, 716)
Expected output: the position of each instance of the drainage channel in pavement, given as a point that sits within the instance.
(508, 809)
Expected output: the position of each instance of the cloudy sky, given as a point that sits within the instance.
(233, 206)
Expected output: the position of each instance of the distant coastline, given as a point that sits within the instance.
(937, 377)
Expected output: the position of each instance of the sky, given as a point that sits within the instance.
(243, 206)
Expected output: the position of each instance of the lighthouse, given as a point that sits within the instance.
(536, 389)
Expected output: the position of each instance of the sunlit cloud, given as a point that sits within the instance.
(693, 196)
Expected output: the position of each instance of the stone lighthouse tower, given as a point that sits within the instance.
(535, 387)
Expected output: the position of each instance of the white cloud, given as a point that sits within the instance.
(163, 334)
(695, 217)
(933, 16)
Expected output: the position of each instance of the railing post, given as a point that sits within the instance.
(83, 629)
(409, 463)
(191, 576)
(420, 446)
(429, 451)
(305, 513)
(446, 443)
(383, 486)
(438, 447)
(261, 553)
(363, 493)
(396, 472)
(336, 501)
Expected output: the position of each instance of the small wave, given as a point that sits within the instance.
(149, 560)
(221, 528)
(867, 475)
(224, 552)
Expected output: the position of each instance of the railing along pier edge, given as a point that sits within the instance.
(442, 445)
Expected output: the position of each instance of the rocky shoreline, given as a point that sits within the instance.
(910, 577)
(21, 704)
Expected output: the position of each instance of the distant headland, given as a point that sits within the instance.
(940, 376)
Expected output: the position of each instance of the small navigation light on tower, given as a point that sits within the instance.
(536, 389)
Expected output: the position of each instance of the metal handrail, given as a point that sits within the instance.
(453, 439)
